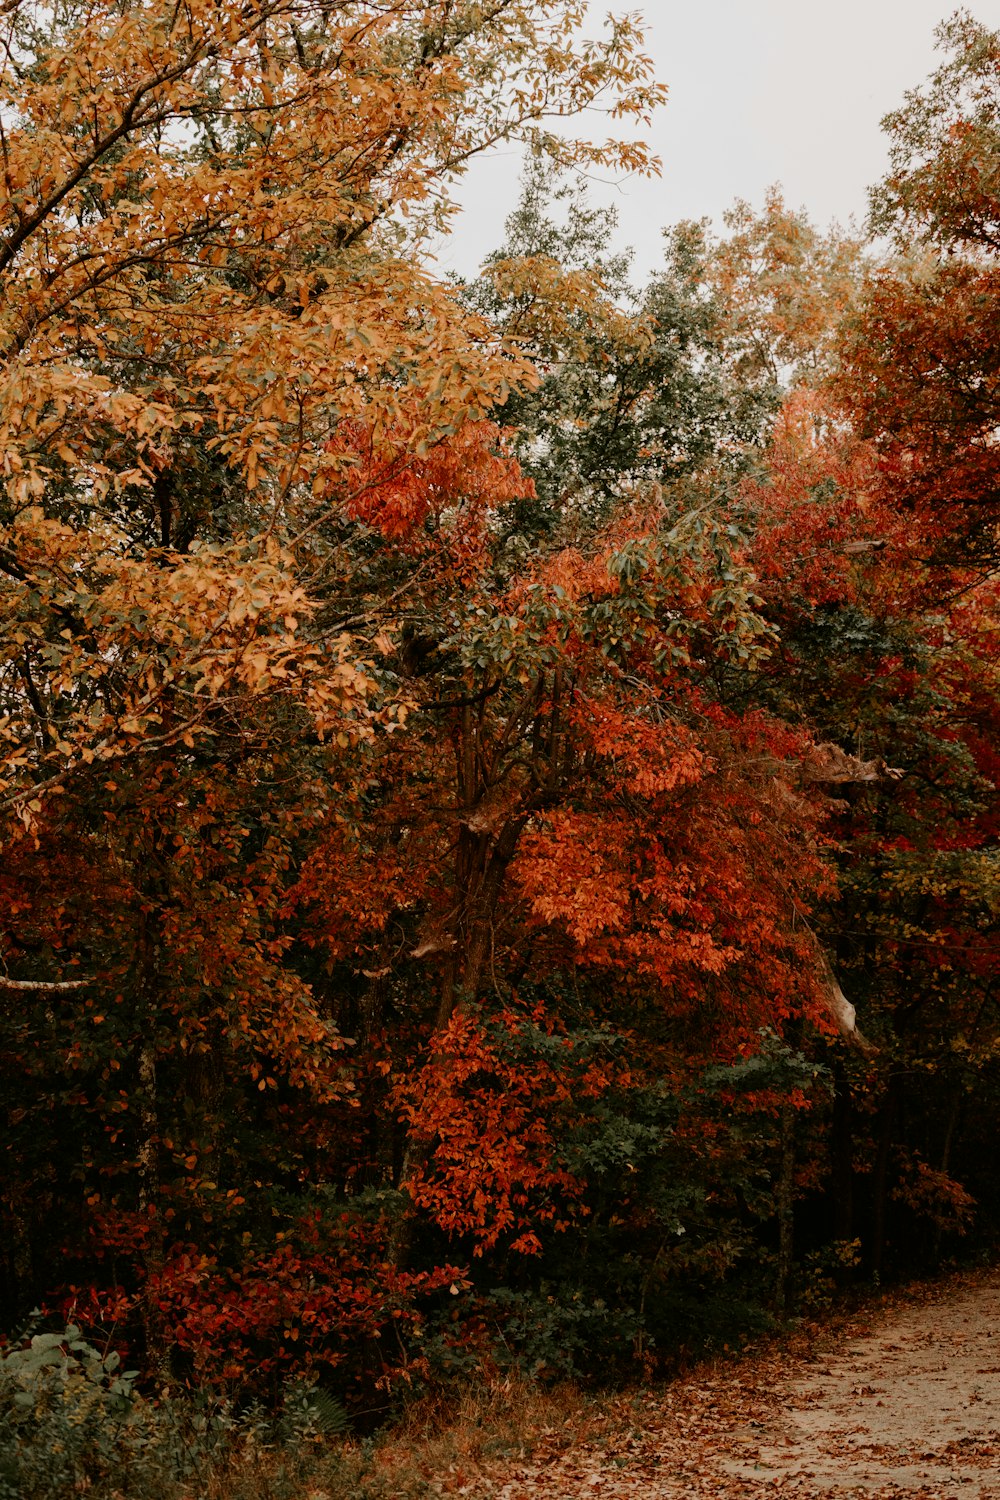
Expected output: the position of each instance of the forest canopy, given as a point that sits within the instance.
(498, 778)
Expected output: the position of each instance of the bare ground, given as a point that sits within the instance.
(901, 1403)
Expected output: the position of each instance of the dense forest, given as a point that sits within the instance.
(499, 779)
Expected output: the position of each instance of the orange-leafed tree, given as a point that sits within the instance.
(209, 252)
(783, 287)
(571, 795)
(211, 268)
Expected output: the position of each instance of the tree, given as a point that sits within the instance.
(783, 288)
(457, 739)
(918, 378)
(920, 370)
(210, 245)
(872, 531)
(206, 262)
(635, 387)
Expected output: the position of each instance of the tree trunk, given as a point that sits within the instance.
(493, 813)
(880, 1176)
(484, 865)
(842, 1152)
(786, 1208)
(149, 965)
(949, 1136)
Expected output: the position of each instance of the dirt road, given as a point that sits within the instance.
(904, 1402)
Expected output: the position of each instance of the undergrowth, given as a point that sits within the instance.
(71, 1420)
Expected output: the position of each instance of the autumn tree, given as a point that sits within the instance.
(784, 288)
(207, 263)
(918, 379)
(920, 371)
(874, 541)
(585, 801)
(215, 322)
(457, 740)
(902, 696)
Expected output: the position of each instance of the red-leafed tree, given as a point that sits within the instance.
(919, 370)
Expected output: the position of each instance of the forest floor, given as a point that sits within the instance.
(899, 1400)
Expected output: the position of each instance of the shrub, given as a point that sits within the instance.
(72, 1420)
(69, 1417)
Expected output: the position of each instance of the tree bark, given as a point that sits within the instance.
(786, 1208)
(880, 1176)
(842, 1152)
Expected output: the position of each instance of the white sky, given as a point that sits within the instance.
(761, 91)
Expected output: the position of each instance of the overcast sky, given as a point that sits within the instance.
(761, 91)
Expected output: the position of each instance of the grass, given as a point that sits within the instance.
(437, 1444)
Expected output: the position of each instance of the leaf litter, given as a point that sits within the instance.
(898, 1402)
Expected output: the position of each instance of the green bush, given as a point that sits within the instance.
(72, 1420)
(560, 1333)
(68, 1418)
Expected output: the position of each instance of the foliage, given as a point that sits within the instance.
(783, 289)
(932, 405)
(70, 1418)
(457, 740)
(634, 387)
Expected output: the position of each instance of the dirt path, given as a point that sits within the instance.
(902, 1403)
